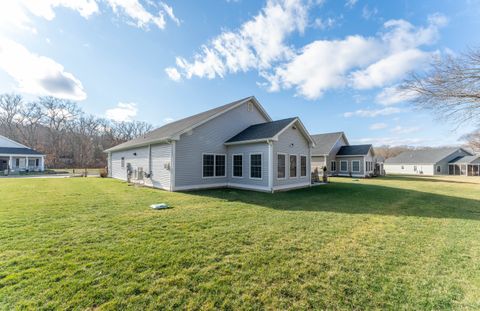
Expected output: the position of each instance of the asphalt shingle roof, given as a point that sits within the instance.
(12, 151)
(265, 130)
(354, 150)
(465, 159)
(169, 130)
(424, 156)
(324, 142)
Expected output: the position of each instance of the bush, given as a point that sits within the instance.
(103, 173)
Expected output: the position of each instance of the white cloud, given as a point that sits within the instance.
(324, 23)
(368, 13)
(45, 8)
(393, 95)
(257, 44)
(36, 74)
(122, 112)
(140, 17)
(173, 74)
(169, 10)
(405, 130)
(366, 113)
(350, 3)
(378, 126)
(168, 120)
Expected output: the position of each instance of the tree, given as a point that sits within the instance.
(473, 140)
(451, 87)
(10, 107)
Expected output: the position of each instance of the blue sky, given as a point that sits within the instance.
(335, 64)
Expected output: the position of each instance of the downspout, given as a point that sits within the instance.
(270, 165)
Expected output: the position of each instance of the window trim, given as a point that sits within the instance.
(214, 165)
(233, 165)
(343, 161)
(286, 166)
(333, 162)
(296, 166)
(359, 168)
(250, 165)
(306, 165)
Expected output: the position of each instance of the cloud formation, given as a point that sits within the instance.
(39, 75)
(122, 112)
(371, 113)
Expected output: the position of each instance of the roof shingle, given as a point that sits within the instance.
(12, 151)
(325, 142)
(353, 150)
(423, 156)
(259, 131)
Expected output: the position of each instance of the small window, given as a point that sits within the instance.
(37, 162)
(31, 162)
(333, 166)
(439, 169)
(293, 166)
(250, 107)
(256, 166)
(122, 162)
(17, 162)
(237, 165)
(356, 166)
(220, 165)
(281, 166)
(303, 166)
(414, 168)
(208, 165)
(403, 167)
(343, 166)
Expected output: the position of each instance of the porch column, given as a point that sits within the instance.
(42, 163)
(10, 164)
(26, 163)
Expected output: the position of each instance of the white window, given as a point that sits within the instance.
(303, 166)
(403, 167)
(293, 166)
(356, 166)
(281, 166)
(17, 162)
(333, 166)
(213, 165)
(256, 166)
(37, 162)
(439, 169)
(343, 165)
(122, 162)
(237, 165)
(31, 162)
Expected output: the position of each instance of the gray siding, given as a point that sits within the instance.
(160, 160)
(210, 138)
(361, 159)
(300, 147)
(444, 163)
(246, 150)
(318, 162)
(332, 155)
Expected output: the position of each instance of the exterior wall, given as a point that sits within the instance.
(210, 138)
(5, 142)
(245, 181)
(444, 162)
(349, 171)
(332, 155)
(300, 147)
(409, 169)
(318, 162)
(23, 164)
(161, 166)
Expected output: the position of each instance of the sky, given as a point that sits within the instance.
(335, 64)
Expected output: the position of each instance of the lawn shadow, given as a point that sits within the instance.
(356, 198)
(429, 179)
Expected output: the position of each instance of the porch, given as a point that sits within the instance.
(16, 164)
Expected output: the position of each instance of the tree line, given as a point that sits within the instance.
(58, 128)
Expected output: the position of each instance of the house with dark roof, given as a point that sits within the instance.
(16, 158)
(236, 145)
(334, 152)
(435, 161)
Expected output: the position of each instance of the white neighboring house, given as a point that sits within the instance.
(16, 158)
(438, 161)
(236, 145)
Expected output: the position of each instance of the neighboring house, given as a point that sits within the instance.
(15, 157)
(236, 145)
(333, 151)
(439, 161)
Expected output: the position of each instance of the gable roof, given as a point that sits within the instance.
(173, 130)
(354, 150)
(7, 142)
(325, 142)
(267, 131)
(15, 150)
(423, 156)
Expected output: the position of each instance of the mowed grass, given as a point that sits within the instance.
(385, 243)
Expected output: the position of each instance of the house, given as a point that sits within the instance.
(16, 158)
(333, 151)
(236, 145)
(439, 161)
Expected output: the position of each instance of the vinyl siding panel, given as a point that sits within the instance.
(332, 155)
(444, 162)
(161, 166)
(318, 162)
(300, 147)
(409, 169)
(246, 150)
(140, 160)
(210, 138)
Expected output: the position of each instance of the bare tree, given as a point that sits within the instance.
(10, 107)
(473, 140)
(29, 124)
(451, 88)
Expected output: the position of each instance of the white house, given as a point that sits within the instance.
(236, 145)
(16, 158)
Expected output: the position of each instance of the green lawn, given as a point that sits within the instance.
(386, 243)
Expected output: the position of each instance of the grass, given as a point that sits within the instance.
(386, 243)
